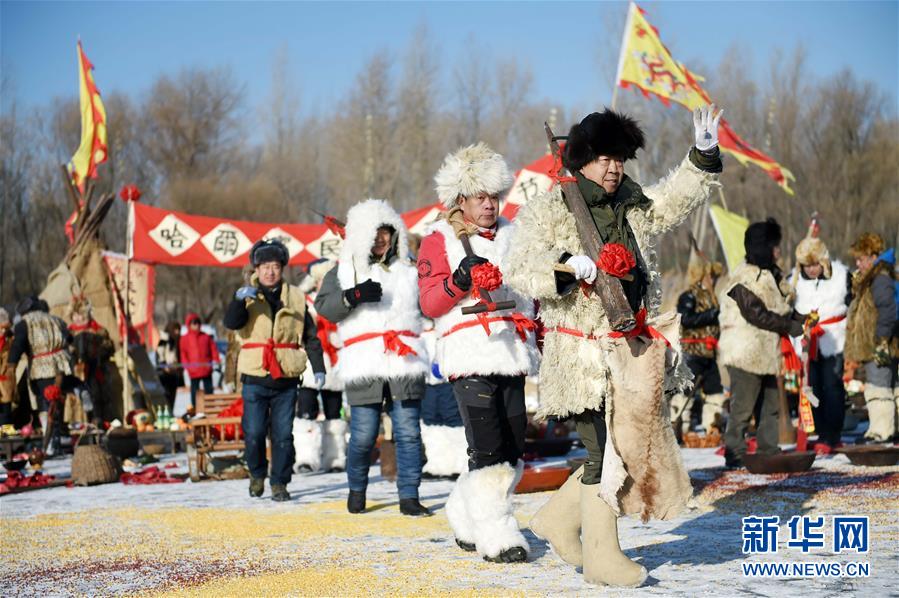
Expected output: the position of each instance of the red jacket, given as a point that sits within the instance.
(436, 292)
(198, 351)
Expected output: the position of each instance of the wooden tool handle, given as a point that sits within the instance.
(569, 270)
(466, 245)
(481, 307)
(607, 288)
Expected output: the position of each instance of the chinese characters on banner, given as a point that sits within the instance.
(140, 298)
(168, 237)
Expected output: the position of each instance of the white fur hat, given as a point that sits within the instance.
(470, 171)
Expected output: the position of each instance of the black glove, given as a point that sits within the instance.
(462, 275)
(364, 292)
(797, 321)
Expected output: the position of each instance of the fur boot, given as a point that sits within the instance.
(487, 495)
(559, 521)
(604, 563)
(334, 445)
(713, 412)
(446, 450)
(881, 413)
(457, 514)
(307, 443)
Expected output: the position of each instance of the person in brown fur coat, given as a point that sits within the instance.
(870, 341)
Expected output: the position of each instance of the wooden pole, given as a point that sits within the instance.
(126, 308)
(786, 432)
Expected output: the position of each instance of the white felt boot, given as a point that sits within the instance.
(881, 413)
(559, 520)
(604, 563)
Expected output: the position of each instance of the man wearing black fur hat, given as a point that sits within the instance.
(277, 335)
(609, 384)
(754, 315)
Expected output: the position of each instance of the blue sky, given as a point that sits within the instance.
(132, 43)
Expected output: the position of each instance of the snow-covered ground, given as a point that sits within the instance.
(211, 539)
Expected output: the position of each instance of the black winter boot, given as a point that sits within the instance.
(257, 485)
(355, 502)
(413, 508)
(280, 493)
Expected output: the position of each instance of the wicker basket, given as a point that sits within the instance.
(91, 464)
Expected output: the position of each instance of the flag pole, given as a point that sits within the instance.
(126, 309)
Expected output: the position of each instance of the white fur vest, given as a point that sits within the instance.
(827, 296)
(741, 344)
(397, 311)
(574, 373)
(463, 346)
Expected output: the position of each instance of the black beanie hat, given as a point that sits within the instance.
(269, 251)
(760, 240)
(602, 134)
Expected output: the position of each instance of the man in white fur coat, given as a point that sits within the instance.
(486, 356)
(372, 296)
(613, 388)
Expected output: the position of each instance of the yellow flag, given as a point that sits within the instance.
(645, 63)
(731, 228)
(92, 150)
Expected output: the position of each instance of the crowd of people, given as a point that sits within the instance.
(841, 323)
(431, 341)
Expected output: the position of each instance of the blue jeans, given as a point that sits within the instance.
(195, 387)
(365, 422)
(439, 407)
(264, 409)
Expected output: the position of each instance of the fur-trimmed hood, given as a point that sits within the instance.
(469, 171)
(362, 223)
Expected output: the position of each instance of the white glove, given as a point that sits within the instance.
(319, 380)
(705, 122)
(584, 268)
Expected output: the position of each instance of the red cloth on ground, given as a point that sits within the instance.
(435, 278)
(149, 475)
(15, 479)
(198, 351)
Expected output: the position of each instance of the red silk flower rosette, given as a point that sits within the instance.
(485, 276)
(129, 193)
(52, 393)
(615, 260)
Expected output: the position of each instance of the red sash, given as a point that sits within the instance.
(269, 359)
(817, 332)
(391, 338)
(522, 324)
